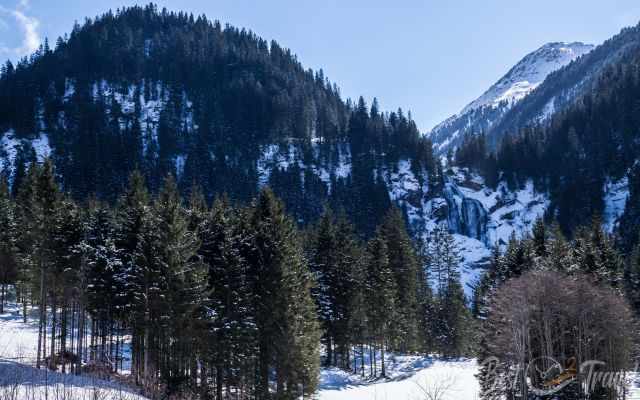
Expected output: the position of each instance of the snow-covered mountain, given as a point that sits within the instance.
(527, 74)
(522, 79)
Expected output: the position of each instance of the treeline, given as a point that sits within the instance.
(573, 156)
(550, 298)
(224, 300)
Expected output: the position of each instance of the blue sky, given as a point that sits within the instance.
(430, 57)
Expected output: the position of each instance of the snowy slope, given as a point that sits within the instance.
(527, 74)
(9, 145)
(485, 111)
(479, 217)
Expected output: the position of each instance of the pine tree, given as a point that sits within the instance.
(632, 279)
(516, 260)
(285, 311)
(231, 341)
(131, 218)
(47, 203)
(381, 294)
(179, 285)
(8, 237)
(404, 263)
(452, 317)
(443, 257)
(332, 258)
(453, 321)
(102, 275)
(540, 238)
(27, 211)
(593, 253)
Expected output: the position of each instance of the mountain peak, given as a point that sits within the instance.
(484, 112)
(528, 73)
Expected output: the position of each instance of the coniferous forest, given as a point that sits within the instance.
(222, 299)
(187, 211)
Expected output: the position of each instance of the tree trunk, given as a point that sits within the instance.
(384, 370)
(329, 361)
(63, 336)
(263, 377)
(80, 340)
(24, 306)
(52, 362)
(41, 319)
(362, 358)
(2, 288)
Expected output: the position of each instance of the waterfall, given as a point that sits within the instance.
(466, 216)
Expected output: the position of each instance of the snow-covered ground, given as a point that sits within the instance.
(23, 382)
(18, 341)
(408, 378)
(19, 380)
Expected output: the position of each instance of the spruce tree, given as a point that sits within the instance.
(131, 215)
(180, 284)
(231, 341)
(285, 311)
(8, 236)
(332, 259)
(404, 263)
(452, 317)
(381, 297)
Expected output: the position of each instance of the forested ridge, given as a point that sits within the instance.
(168, 92)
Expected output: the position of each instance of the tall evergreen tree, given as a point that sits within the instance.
(404, 263)
(8, 237)
(285, 311)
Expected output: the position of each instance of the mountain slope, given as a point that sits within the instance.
(484, 112)
(217, 107)
(221, 108)
(564, 87)
(535, 102)
(528, 73)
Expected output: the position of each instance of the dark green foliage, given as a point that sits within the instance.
(450, 318)
(167, 93)
(410, 281)
(333, 257)
(8, 236)
(285, 312)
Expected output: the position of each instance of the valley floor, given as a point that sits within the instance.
(409, 377)
(20, 380)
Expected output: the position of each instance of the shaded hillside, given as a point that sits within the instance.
(216, 106)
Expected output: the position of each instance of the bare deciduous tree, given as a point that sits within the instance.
(554, 319)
